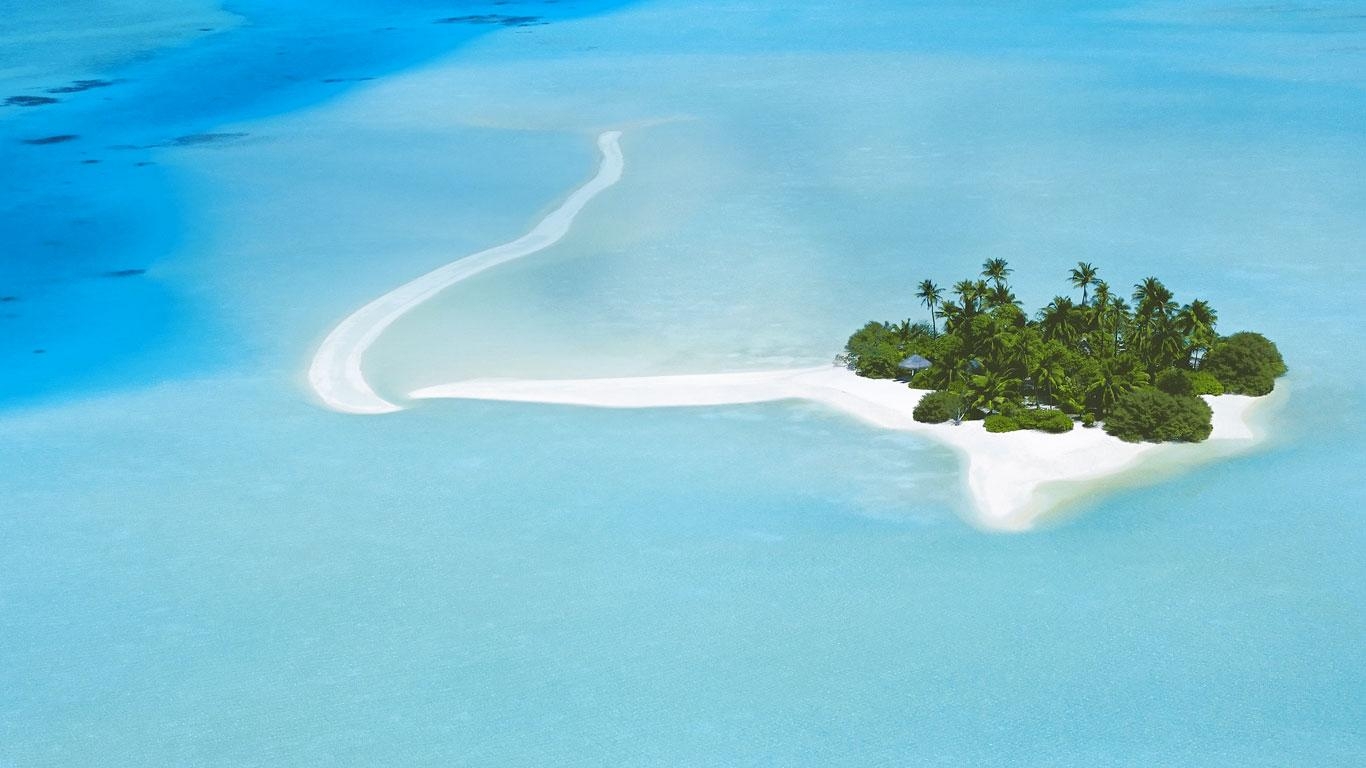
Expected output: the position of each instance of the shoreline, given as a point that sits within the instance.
(336, 373)
(1013, 480)
(1240, 425)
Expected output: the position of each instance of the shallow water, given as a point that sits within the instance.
(202, 567)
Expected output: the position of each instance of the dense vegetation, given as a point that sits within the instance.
(1245, 364)
(1138, 367)
(1042, 419)
(1151, 414)
(939, 407)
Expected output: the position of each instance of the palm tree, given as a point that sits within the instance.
(1152, 297)
(1117, 375)
(1057, 320)
(1196, 322)
(1166, 345)
(981, 288)
(1000, 295)
(996, 271)
(1197, 317)
(992, 391)
(1118, 318)
(998, 344)
(951, 313)
(967, 296)
(1098, 313)
(1155, 308)
(1083, 276)
(1102, 295)
(930, 295)
(1047, 371)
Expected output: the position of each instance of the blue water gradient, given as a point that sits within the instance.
(78, 212)
(198, 566)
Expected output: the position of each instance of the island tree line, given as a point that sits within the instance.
(1138, 364)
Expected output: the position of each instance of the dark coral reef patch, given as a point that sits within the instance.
(59, 139)
(29, 101)
(492, 18)
(83, 85)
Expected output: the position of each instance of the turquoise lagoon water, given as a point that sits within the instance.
(199, 566)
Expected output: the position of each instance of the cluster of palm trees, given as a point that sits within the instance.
(1079, 354)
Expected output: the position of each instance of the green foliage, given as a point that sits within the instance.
(938, 407)
(1082, 277)
(1204, 383)
(999, 422)
(1245, 364)
(1196, 322)
(1174, 381)
(1045, 420)
(1013, 417)
(1155, 416)
(1181, 382)
(946, 354)
(1081, 355)
(877, 349)
(872, 351)
(930, 295)
(1114, 377)
(991, 392)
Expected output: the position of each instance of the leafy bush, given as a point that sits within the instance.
(1154, 416)
(939, 407)
(1088, 420)
(1045, 421)
(999, 422)
(1245, 364)
(1014, 417)
(1180, 382)
(877, 349)
(1174, 381)
(1204, 383)
(873, 351)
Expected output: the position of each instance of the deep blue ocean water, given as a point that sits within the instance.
(199, 566)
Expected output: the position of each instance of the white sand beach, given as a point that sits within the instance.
(336, 374)
(1012, 479)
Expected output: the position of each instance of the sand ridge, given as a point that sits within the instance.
(336, 373)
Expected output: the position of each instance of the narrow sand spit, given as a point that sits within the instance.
(1012, 479)
(336, 373)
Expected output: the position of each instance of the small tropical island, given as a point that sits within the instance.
(1150, 379)
(1145, 374)
(1140, 371)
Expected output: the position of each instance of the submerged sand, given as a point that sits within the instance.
(1012, 479)
(336, 373)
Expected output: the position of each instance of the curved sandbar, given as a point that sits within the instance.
(1012, 479)
(336, 373)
